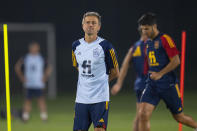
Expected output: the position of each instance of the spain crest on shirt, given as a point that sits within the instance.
(156, 45)
(96, 52)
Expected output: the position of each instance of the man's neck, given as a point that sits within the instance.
(34, 54)
(155, 34)
(90, 38)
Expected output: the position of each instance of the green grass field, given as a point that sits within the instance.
(121, 115)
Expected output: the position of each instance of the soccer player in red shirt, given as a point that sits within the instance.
(163, 58)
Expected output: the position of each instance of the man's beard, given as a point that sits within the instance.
(89, 34)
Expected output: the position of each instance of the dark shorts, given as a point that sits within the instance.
(168, 92)
(85, 114)
(138, 95)
(139, 86)
(31, 93)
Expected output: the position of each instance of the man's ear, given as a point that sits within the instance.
(155, 26)
(99, 28)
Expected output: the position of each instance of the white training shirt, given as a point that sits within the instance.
(94, 61)
(34, 71)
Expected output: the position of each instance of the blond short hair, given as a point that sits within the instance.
(92, 14)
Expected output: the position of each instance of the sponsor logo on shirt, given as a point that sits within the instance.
(88, 75)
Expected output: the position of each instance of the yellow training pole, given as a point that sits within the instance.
(5, 33)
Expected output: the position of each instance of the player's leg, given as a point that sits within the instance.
(43, 108)
(172, 99)
(99, 129)
(41, 104)
(27, 105)
(136, 120)
(185, 119)
(140, 85)
(138, 97)
(148, 102)
(99, 115)
(82, 119)
(26, 109)
(145, 113)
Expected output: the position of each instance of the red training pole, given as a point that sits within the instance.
(183, 46)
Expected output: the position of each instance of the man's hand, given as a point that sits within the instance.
(44, 79)
(115, 89)
(155, 75)
(23, 79)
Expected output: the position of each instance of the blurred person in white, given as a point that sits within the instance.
(34, 77)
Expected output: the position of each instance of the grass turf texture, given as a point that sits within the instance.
(121, 115)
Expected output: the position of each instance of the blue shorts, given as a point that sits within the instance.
(138, 95)
(139, 86)
(85, 114)
(169, 93)
(31, 93)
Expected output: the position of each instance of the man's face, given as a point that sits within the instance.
(144, 37)
(91, 25)
(34, 48)
(148, 30)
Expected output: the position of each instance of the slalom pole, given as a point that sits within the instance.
(182, 73)
(5, 34)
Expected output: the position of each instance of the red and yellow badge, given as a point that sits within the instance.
(156, 44)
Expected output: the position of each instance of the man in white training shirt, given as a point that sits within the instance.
(95, 59)
(33, 78)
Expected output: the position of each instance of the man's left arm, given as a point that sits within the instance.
(47, 73)
(174, 62)
(114, 73)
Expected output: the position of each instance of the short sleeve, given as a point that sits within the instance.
(74, 59)
(169, 46)
(74, 46)
(110, 55)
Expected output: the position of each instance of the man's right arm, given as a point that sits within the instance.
(74, 60)
(114, 73)
(124, 67)
(19, 71)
